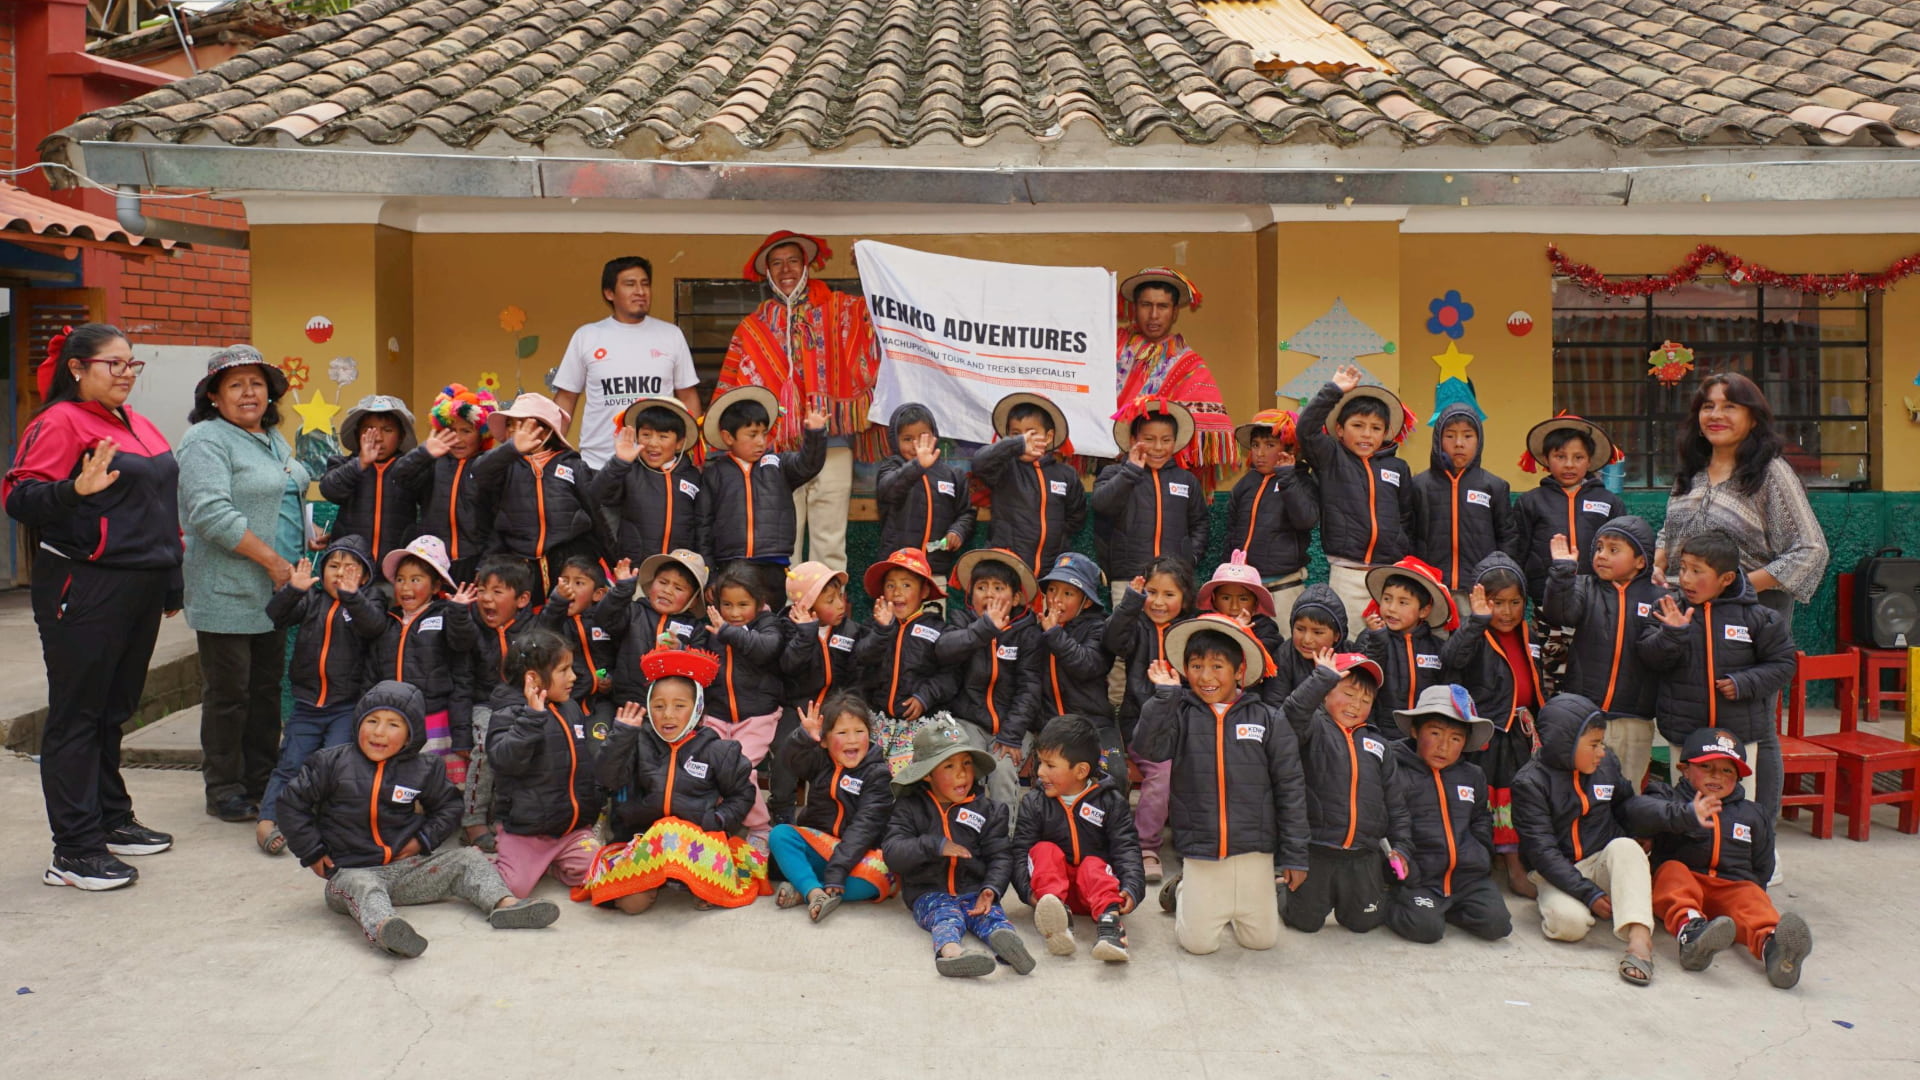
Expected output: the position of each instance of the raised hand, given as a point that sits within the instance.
(926, 450)
(1477, 600)
(440, 443)
(1244, 618)
(1705, 806)
(630, 714)
(1283, 459)
(1161, 673)
(465, 594)
(817, 418)
(714, 621)
(624, 571)
(1374, 621)
(1137, 453)
(1038, 443)
(882, 613)
(626, 445)
(1346, 377)
(369, 447)
(95, 476)
(1049, 618)
(1670, 614)
(1138, 584)
(1560, 549)
(1324, 658)
(529, 435)
(810, 721)
(999, 612)
(535, 693)
(302, 577)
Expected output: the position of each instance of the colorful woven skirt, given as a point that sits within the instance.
(896, 736)
(722, 870)
(870, 869)
(440, 744)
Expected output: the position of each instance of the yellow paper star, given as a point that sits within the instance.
(316, 415)
(1453, 363)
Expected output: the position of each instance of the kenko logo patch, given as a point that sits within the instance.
(1058, 487)
(1737, 633)
(972, 819)
(696, 769)
(1250, 731)
(944, 487)
(690, 489)
(1479, 498)
(1390, 477)
(405, 795)
(1595, 506)
(1092, 814)
(1177, 489)
(1463, 792)
(851, 784)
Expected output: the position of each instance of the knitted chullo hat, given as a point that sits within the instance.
(455, 401)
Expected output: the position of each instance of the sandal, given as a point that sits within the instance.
(1636, 970)
(1150, 865)
(786, 896)
(271, 841)
(820, 904)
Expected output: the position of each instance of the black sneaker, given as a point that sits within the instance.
(398, 937)
(1700, 939)
(1790, 943)
(233, 808)
(92, 873)
(1007, 945)
(133, 838)
(1111, 944)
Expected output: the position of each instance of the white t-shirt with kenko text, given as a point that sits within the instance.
(612, 364)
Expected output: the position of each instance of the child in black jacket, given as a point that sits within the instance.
(1571, 501)
(572, 611)
(661, 602)
(1235, 591)
(374, 818)
(1609, 612)
(1407, 625)
(924, 501)
(1075, 851)
(543, 758)
(681, 792)
(1318, 620)
(1350, 434)
(366, 484)
(1145, 506)
(428, 642)
(1461, 512)
(441, 469)
(1450, 822)
(500, 611)
(338, 618)
(1035, 494)
(745, 511)
(995, 639)
(650, 487)
(818, 660)
(904, 683)
(832, 853)
(1138, 631)
(1274, 505)
(747, 692)
(947, 842)
(538, 487)
(1074, 661)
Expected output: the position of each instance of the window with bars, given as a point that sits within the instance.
(708, 309)
(1813, 356)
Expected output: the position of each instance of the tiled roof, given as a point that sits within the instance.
(27, 218)
(723, 77)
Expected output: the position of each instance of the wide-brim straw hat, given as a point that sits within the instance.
(1184, 294)
(531, 406)
(1442, 610)
(1252, 654)
(710, 424)
(1007, 404)
(1183, 426)
(1396, 411)
(963, 570)
(691, 561)
(1602, 443)
(690, 426)
(1448, 702)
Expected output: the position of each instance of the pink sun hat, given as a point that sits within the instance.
(535, 407)
(429, 550)
(1236, 571)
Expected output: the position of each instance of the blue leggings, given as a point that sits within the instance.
(308, 730)
(799, 863)
(944, 915)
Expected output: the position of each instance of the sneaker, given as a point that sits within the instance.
(1007, 945)
(1790, 943)
(233, 808)
(1699, 939)
(1170, 895)
(968, 965)
(134, 838)
(400, 939)
(1111, 945)
(92, 873)
(1055, 925)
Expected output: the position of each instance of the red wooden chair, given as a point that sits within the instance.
(1801, 757)
(1860, 756)
(1873, 661)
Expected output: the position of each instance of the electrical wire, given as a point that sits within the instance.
(88, 181)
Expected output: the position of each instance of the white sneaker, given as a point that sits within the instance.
(1051, 918)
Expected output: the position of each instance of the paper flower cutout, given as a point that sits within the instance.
(295, 369)
(490, 382)
(513, 319)
(342, 370)
(1448, 315)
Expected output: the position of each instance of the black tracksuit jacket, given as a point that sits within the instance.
(451, 507)
(329, 664)
(816, 664)
(374, 502)
(536, 510)
(1074, 663)
(1038, 506)
(1237, 784)
(543, 766)
(1144, 513)
(1000, 692)
(654, 510)
(1366, 507)
(747, 513)
(1461, 517)
(1576, 513)
(1563, 815)
(703, 779)
(1734, 637)
(1449, 819)
(1608, 620)
(1099, 824)
(920, 827)
(1271, 518)
(851, 804)
(435, 653)
(899, 664)
(1353, 795)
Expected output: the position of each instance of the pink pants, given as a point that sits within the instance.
(1150, 816)
(755, 736)
(523, 860)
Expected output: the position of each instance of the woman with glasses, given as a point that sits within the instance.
(99, 484)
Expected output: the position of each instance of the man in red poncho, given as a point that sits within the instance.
(1152, 360)
(809, 345)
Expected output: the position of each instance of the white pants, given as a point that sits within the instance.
(1621, 870)
(1237, 891)
(1117, 674)
(820, 512)
(1631, 740)
(1349, 583)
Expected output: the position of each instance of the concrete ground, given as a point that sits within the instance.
(173, 676)
(223, 962)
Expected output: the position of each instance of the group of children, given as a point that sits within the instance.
(633, 655)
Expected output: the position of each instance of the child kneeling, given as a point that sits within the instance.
(1075, 851)
(1450, 821)
(376, 860)
(832, 853)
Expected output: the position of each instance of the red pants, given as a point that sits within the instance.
(1679, 892)
(1087, 889)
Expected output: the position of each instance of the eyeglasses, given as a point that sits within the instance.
(118, 368)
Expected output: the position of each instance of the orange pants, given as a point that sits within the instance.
(1680, 893)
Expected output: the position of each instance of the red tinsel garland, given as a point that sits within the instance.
(1738, 270)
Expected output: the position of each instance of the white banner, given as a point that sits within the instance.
(957, 335)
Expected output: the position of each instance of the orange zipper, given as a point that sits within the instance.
(326, 645)
(373, 811)
(1446, 822)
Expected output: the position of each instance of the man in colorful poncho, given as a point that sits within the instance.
(809, 344)
(1154, 361)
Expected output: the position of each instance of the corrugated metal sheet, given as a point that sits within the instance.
(1287, 33)
(22, 212)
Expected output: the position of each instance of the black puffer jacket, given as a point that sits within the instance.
(491, 645)
(1001, 691)
(1550, 510)
(920, 827)
(1410, 661)
(1242, 771)
(1271, 518)
(359, 812)
(543, 766)
(1474, 659)
(593, 646)
(852, 804)
(1073, 668)
(816, 664)
(374, 502)
(1130, 634)
(1353, 796)
(1461, 517)
(1099, 824)
(919, 506)
(435, 653)
(1735, 637)
(899, 664)
(1319, 602)
(1038, 506)
(1144, 513)
(329, 666)
(534, 510)
(1738, 848)
(1608, 620)
(1562, 815)
(749, 683)
(1366, 507)
(703, 779)
(636, 628)
(652, 509)
(1449, 818)
(746, 512)
(451, 508)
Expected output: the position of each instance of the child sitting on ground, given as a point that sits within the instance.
(1137, 631)
(745, 511)
(441, 469)
(1145, 506)
(1075, 851)
(543, 759)
(1569, 806)
(1609, 611)
(1494, 656)
(1318, 620)
(679, 789)
(995, 639)
(649, 488)
(833, 852)
(924, 501)
(572, 611)
(1074, 661)
(365, 483)
(375, 819)
(1461, 512)
(1274, 506)
(504, 589)
(428, 643)
(1239, 800)
(1450, 823)
(1712, 856)
(817, 661)
(1405, 635)
(904, 682)
(947, 842)
(543, 514)
(749, 639)
(337, 622)
(1349, 434)
(1355, 807)
(664, 598)
(1037, 500)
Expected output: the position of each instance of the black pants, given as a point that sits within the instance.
(240, 711)
(1349, 883)
(97, 628)
(782, 784)
(1422, 914)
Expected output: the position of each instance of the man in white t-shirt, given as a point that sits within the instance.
(622, 358)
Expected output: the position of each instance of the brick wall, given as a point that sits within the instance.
(8, 104)
(196, 298)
